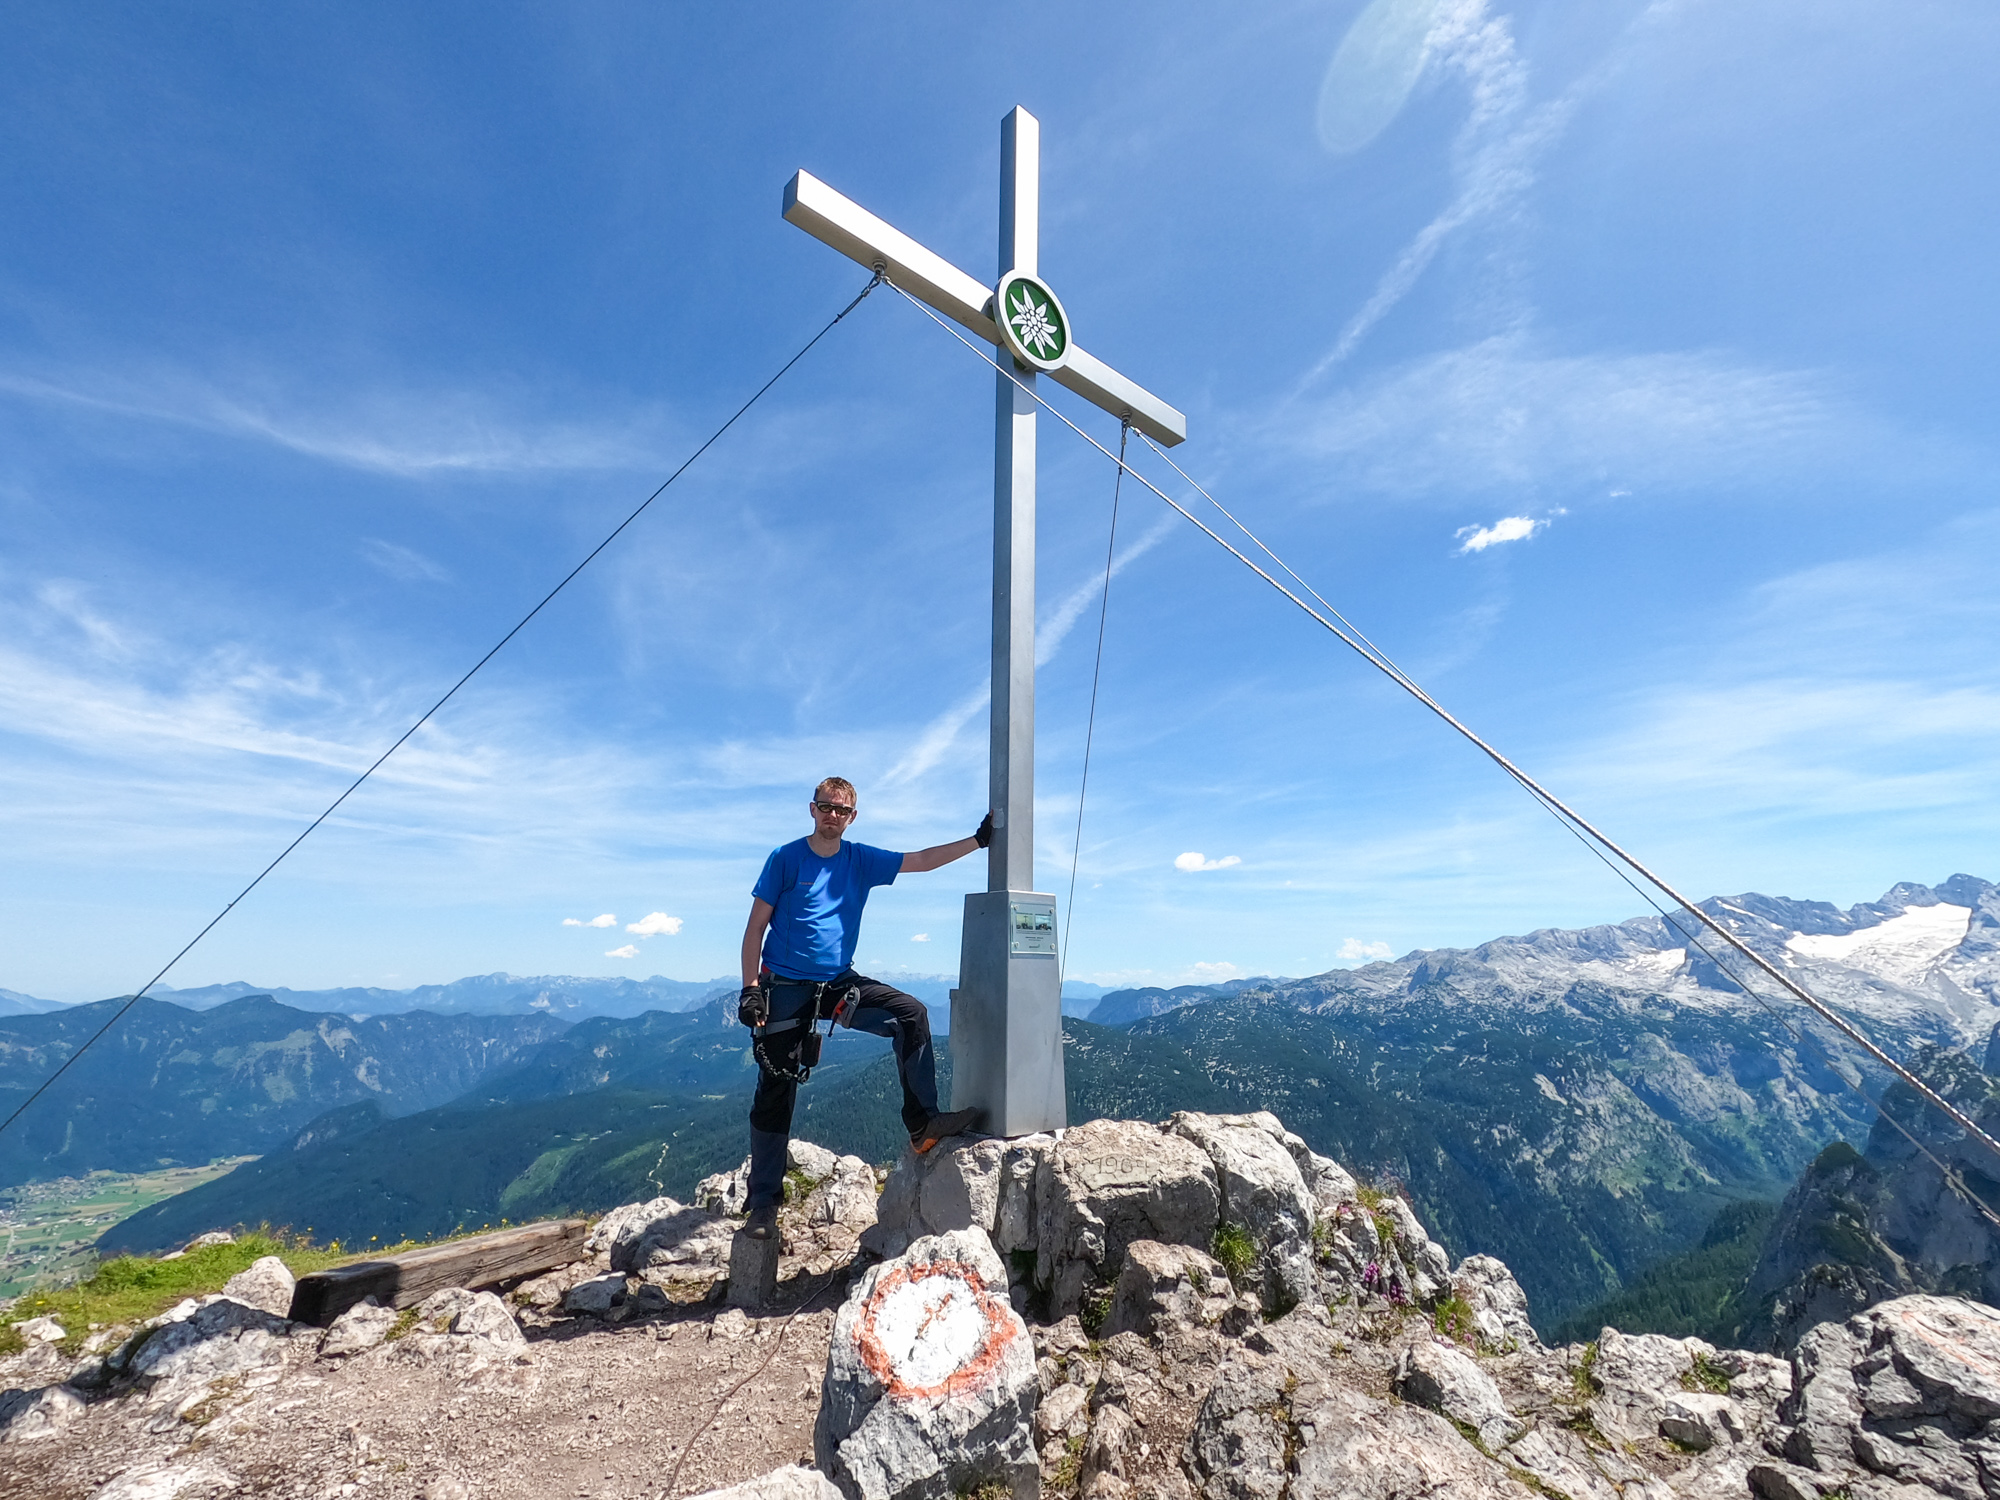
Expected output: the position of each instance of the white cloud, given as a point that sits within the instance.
(1194, 861)
(404, 564)
(1354, 950)
(920, 937)
(1506, 529)
(630, 950)
(603, 920)
(655, 923)
(1210, 973)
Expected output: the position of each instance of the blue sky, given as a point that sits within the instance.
(1623, 368)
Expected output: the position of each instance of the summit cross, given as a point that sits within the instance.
(1006, 1014)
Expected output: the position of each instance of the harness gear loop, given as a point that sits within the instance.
(831, 999)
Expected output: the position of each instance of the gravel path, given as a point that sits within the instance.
(599, 1409)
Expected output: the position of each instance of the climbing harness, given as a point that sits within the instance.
(756, 396)
(1334, 622)
(834, 999)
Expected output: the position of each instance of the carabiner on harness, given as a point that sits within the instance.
(811, 1043)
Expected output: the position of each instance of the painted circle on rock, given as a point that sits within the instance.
(928, 1331)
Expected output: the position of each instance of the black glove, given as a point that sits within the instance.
(983, 835)
(753, 1006)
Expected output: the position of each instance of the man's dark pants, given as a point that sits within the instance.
(882, 1010)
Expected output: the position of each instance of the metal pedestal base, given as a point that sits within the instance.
(1006, 1015)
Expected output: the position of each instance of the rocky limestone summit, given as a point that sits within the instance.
(1199, 1307)
(1219, 1312)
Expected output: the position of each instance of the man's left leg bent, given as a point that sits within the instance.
(884, 1010)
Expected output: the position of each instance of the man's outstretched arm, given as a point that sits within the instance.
(753, 939)
(944, 854)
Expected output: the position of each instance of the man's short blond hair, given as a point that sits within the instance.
(837, 784)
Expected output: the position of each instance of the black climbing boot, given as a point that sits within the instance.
(763, 1223)
(944, 1127)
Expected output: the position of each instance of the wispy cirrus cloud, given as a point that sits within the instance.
(404, 564)
(1503, 414)
(1497, 152)
(937, 737)
(1497, 147)
(406, 433)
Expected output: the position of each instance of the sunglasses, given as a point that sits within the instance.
(834, 807)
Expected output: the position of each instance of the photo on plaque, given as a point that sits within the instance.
(1034, 927)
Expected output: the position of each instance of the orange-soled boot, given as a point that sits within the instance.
(943, 1128)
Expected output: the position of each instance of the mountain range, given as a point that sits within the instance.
(1584, 1104)
(168, 1086)
(14, 1003)
(563, 995)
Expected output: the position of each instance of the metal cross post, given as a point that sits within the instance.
(1006, 1014)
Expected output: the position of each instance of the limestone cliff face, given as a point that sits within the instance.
(1865, 1226)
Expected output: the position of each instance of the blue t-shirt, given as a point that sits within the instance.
(818, 904)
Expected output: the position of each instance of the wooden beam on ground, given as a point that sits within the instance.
(405, 1280)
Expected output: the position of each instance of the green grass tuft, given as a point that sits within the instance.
(1095, 1310)
(1583, 1376)
(1452, 1317)
(132, 1288)
(1706, 1375)
(798, 1184)
(1237, 1252)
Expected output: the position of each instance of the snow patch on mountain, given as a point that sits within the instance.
(1904, 949)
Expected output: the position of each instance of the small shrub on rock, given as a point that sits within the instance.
(1581, 1374)
(799, 1184)
(1096, 1308)
(1704, 1375)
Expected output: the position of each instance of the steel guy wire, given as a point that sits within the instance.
(1798, 1033)
(1804, 1037)
(1377, 659)
(450, 693)
(1090, 723)
(1577, 827)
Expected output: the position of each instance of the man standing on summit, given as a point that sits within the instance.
(798, 957)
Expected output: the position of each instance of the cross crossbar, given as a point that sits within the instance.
(839, 221)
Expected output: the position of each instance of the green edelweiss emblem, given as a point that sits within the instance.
(1032, 321)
